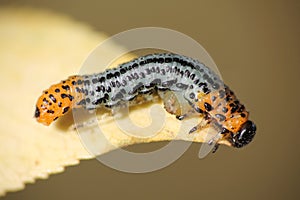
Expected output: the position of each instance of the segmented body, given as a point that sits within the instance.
(200, 87)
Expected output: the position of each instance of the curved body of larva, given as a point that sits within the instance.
(200, 87)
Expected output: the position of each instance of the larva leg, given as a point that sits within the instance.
(82, 118)
(176, 104)
(203, 124)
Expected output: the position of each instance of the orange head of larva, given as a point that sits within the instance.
(56, 101)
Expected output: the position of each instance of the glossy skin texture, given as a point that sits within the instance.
(151, 75)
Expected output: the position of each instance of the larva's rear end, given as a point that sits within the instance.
(57, 101)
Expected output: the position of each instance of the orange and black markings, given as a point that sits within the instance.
(58, 100)
(143, 78)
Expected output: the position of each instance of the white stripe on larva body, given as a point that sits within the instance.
(156, 71)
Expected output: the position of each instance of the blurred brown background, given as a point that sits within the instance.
(256, 46)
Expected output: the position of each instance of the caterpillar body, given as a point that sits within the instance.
(199, 86)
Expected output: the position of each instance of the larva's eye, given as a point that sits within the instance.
(245, 135)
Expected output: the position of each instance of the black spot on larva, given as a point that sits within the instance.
(222, 94)
(73, 82)
(196, 81)
(70, 97)
(118, 96)
(192, 95)
(46, 92)
(79, 82)
(117, 74)
(109, 76)
(142, 74)
(50, 111)
(234, 108)
(152, 70)
(135, 76)
(157, 70)
(163, 71)
(191, 65)
(59, 104)
(182, 86)
(88, 100)
(201, 84)
(187, 73)
(205, 76)
(228, 98)
(208, 107)
(113, 84)
(147, 71)
(243, 115)
(53, 99)
(213, 98)
(100, 88)
(129, 78)
(123, 91)
(77, 89)
(86, 82)
(101, 79)
(156, 81)
(210, 81)
(191, 86)
(64, 95)
(100, 101)
(192, 76)
(142, 63)
(94, 80)
(205, 90)
(65, 87)
(224, 110)
(45, 100)
(64, 82)
(108, 89)
(181, 73)
(220, 117)
(168, 59)
(149, 60)
(241, 109)
(216, 86)
(37, 112)
(66, 109)
(160, 60)
(118, 84)
(57, 90)
(135, 65)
